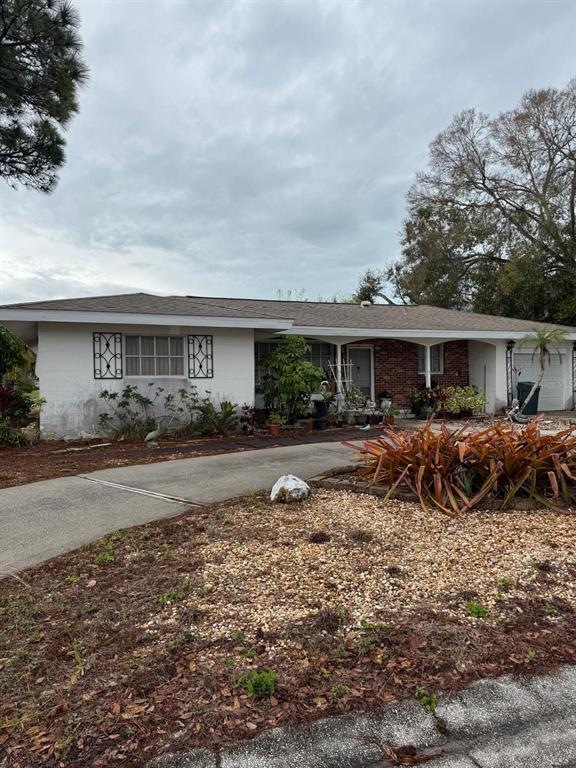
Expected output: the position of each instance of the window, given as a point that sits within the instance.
(436, 358)
(322, 355)
(154, 356)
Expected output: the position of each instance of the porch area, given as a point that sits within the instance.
(380, 369)
(385, 368)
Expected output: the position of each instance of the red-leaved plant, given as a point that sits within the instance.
(455, 470)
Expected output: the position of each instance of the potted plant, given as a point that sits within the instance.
(275, 423)
(388, 411)
(384, 399)
(425, 401)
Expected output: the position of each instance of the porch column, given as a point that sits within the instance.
(510, 373)
(338, 377)
(427, 366)
(574, 376)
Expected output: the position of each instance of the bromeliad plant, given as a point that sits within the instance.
(453, 471)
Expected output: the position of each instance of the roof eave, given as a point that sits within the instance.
(135, 318)
(423, 333)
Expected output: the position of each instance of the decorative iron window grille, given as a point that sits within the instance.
(107, 350)
(510, 372)
(200, 357)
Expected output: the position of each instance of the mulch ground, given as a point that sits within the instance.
(61, 458)
(138, 644)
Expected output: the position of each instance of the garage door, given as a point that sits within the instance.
(552, 396)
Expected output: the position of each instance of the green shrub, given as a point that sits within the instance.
(12, 436)
(355, 399)
(132, 414)
(12, 351)
(258, 683)
(290, 378)
(456, 400)
(227, 418)
(452, 400)
(129, 412)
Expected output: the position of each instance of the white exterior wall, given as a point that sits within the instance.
(487, 362)
(487, 371)
(65, 368)
(556, 389)
(482, 371)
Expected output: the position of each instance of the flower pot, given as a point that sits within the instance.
(388, 421)
(275, 429)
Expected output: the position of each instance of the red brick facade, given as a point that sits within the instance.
(396, 368)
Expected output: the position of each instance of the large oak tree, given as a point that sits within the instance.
(41, 70)
(491, 224)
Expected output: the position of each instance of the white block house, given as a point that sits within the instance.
(86, 345)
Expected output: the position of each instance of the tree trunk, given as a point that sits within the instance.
(532, 391)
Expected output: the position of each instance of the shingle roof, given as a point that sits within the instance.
(303, 313)
(382, 316)
(146, 304)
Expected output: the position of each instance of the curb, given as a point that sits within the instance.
(527, 722)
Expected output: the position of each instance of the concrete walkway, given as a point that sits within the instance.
(41, 520)
(503, 723)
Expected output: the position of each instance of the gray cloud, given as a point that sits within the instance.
(236, 148)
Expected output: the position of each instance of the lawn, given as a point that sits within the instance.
(147, 641)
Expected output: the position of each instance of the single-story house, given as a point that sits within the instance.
(86, 345)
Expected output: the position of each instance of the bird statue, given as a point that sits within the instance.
(365, 428)
(151, 439)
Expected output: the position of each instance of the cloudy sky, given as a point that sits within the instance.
(238, 148)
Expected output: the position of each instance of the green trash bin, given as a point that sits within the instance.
(524, 388)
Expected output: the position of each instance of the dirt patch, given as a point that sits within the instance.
(139, 644)
(62, 458)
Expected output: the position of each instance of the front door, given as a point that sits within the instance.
(360, 359)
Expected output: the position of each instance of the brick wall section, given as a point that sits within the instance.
(396, 368)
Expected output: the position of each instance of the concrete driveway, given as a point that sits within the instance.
(41, 520)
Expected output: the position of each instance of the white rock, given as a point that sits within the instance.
(289, 488)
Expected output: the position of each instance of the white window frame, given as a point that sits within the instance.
(139, 336)
(433, 372)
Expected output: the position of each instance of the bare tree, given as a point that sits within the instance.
(498, 189)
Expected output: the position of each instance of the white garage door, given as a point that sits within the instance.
(552, 393)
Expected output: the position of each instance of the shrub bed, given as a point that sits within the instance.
(455, 470)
